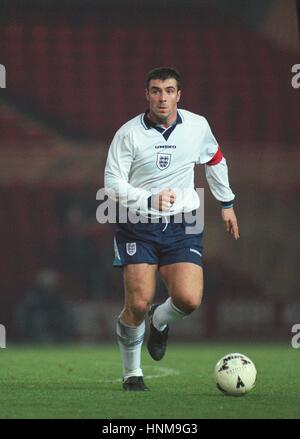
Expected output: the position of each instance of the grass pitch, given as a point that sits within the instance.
(84, 382)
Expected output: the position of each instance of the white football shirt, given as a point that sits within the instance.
(144, 158)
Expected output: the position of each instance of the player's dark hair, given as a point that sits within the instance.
(164, 73)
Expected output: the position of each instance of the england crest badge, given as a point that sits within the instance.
(131, 248)
(163, 160)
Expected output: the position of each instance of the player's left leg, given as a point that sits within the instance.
(184, 281)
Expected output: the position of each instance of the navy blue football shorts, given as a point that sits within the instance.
(162, 243)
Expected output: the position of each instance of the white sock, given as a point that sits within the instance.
(130, 340)
(166, 313)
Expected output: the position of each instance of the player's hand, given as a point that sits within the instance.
(230, 221)
(164, 200)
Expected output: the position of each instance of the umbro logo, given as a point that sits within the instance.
(195, 251)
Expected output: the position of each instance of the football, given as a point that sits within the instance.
(235, 374)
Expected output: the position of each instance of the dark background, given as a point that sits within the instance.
(75, 72)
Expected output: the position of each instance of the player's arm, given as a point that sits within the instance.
(216, 172)
(118, 164)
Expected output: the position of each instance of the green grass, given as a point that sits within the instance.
(82, 382)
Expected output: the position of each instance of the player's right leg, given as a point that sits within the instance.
(184, 281)
(139, 284)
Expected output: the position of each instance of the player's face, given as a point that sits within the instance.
(163, 97)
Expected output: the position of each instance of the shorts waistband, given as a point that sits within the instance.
(177, 218)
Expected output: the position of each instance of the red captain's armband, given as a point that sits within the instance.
(216, 158)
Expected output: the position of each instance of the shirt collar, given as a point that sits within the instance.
(149, 124)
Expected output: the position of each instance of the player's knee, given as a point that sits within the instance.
(138, 310)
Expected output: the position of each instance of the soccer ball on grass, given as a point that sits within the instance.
(235, 374)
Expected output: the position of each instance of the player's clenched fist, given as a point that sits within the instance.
(164, 200)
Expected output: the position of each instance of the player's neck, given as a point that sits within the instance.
(165, 122)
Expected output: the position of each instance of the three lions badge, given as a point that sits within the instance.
(131, 248)
(163, 160)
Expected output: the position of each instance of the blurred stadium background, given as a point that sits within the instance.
(75, 72)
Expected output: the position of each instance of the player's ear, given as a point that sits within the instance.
(147, 94)
(178, 96)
